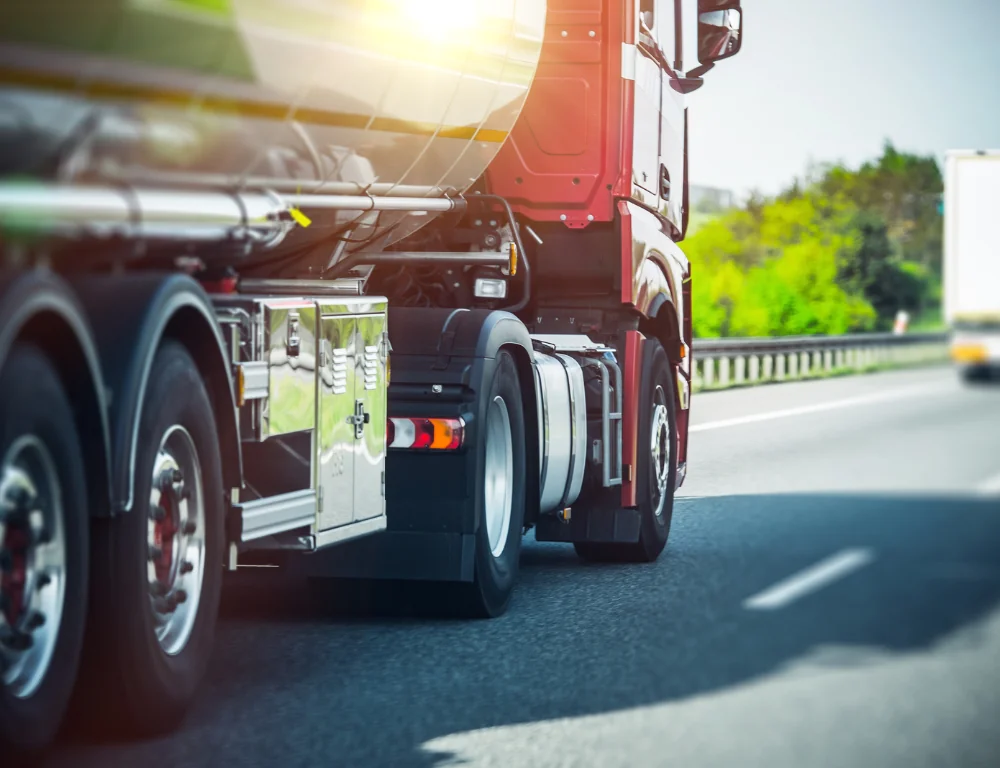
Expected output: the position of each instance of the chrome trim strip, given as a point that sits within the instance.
(347, 532)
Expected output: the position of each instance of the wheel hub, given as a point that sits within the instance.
(660, 450)
(32, 565)
(175, 539)
(499, 480)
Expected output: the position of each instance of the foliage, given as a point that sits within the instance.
(841, 252)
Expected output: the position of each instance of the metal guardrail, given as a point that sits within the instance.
(736, 361)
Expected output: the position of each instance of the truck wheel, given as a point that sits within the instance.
(656, 471)
(975, 374)
(43, 553)
(158, 568)
(498, 538)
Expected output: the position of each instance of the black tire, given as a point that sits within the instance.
(656, 387)
(495, 576)
(976, 374)
(143, 690)
(34, 403)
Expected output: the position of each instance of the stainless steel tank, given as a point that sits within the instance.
(385, 97)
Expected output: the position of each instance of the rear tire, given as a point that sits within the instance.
(158, 568)
(498, 537)
(976, 374)
(43, 572)
(656, 471)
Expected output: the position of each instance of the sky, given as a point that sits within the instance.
(831, 80)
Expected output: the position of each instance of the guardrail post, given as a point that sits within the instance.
(741, 369)
(768, 366)
(804, 363)
(754, 368)
(793, 366)
(708, 371)
(838, 362)
(724, 371)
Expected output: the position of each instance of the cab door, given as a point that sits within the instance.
(670, 165)
(646, 126)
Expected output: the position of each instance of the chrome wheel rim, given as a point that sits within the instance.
(32, 565)
(175, 539)
(499, 475)
(660, 449)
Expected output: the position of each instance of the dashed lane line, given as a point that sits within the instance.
(810, 580)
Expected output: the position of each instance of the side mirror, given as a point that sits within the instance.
(720, 30)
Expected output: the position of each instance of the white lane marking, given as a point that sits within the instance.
(989, 486)
(877, 397)
(816, 577)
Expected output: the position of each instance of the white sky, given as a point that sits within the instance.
(830, 80)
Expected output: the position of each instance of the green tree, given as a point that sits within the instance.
(841, 251)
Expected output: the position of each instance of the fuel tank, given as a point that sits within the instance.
(384, 97)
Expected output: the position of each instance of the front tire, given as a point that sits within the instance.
(498, 537)
(656, 471)
(158, 567)
(43, 553)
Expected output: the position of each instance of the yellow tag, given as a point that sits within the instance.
(300, 218)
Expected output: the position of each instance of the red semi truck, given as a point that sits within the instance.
(367, 289)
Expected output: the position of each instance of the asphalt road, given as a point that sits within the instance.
(829, 597)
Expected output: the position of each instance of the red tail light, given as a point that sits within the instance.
(426, 434)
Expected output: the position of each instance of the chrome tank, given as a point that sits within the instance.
(388, 97)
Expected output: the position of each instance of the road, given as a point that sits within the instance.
(829, 597)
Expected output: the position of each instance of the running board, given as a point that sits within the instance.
(296, 511)
(277, 514)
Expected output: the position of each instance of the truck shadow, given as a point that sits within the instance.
(337, 676)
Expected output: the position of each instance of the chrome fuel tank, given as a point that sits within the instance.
(388, 97)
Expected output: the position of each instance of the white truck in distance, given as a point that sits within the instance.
(972, 260)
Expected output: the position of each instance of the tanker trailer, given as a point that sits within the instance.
(360, 289)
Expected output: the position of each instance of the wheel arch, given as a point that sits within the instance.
(662, 322)
(39, 307)
(132, 315)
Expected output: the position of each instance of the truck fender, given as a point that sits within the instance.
(130, 315)
(459, 347)
(39, 306)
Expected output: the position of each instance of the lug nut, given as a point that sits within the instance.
(18, 641)
(157, 513)
(189, 527)
(164, 605)
(158, 588)
(36, 522)
(155, 553)
(35, 621)
(187, 567)
(18, 496)
(180, 596)
(43, 580)
(176, 476)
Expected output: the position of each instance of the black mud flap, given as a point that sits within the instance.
(603, 526)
